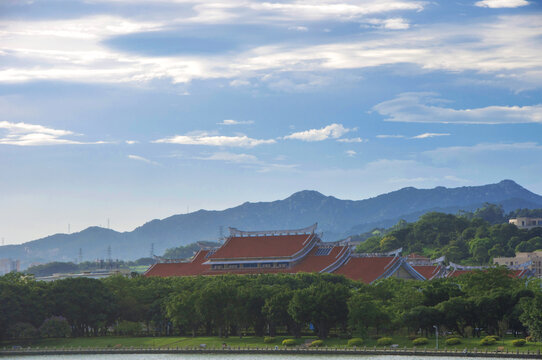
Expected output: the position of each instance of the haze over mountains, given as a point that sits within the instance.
(336, 218)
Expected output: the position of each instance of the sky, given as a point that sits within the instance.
(135, 110)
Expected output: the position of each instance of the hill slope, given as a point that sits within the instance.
(337, 219)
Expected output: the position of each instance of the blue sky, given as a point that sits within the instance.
(134, 110)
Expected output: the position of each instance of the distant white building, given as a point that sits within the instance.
(9, 265)
(526, 222)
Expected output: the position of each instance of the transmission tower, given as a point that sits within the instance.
(80, 255)
(152, 250)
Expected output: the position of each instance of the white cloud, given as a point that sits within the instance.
(421, 108)
(142, 159)
(333, 131)
(429, 135)
(247, 160)
(239, 83)
(235, 122)
(131, 142)
(299, 28)
(351, 140)
(23, 134)
(390, 23)
(390, 136)
(75, 50)
(350, 153)
(495, 4)
(231, 157)
(207, 139)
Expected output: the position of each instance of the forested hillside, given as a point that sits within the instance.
(470, 238)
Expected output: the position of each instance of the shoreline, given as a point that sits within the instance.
(297, 351)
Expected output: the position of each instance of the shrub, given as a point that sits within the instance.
(453, 341)
(519, 342)
(496, 337)
(530, 338)
(288, 342)
(22, 330)
(355, 342)
(55, 327)
(317, 343)
(420, 341)
(269, 339)
(384, 341)
(488, 340)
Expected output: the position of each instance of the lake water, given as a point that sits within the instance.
(233, 357)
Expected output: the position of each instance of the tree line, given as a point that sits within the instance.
(323, 304)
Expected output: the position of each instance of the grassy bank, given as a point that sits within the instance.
(252, 341)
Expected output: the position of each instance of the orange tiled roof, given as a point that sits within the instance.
(243, 247)
(193, 267)
(428, 271)
(313, 263)
(457, 272)
(366, 269)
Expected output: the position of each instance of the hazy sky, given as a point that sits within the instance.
(134, 110)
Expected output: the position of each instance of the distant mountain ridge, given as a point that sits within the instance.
(336, 218)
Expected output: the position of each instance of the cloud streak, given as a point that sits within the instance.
(23, 134)
(142, 159)
(421, 108)
(429, 135)
(230, 122)
(498, 4)
(247, 160)
(206, 139)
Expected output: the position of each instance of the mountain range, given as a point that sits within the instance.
(336, 218)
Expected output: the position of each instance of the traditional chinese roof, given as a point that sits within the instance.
(336, 256)
(262, 247)
(429, 271)
(366, 269)
(313, 262)
(192, 267)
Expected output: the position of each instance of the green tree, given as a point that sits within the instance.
(532, 315)
(181, 309)
(55, 327)
(389, 243)
(323, 304)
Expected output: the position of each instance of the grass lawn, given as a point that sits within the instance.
(253, 341)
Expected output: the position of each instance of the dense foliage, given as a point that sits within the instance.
(323, 304)
(470, 238)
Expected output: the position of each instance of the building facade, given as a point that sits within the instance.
(528, 260)
(526, 222)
